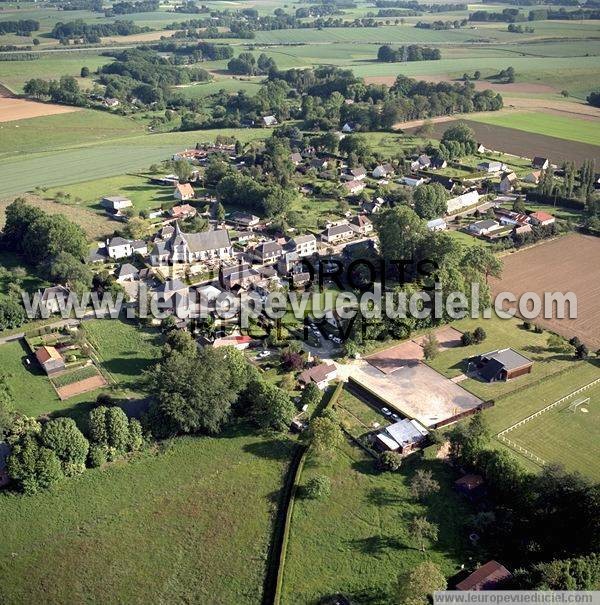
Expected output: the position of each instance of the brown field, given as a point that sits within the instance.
(83, 386)
(12, 109)
(525, 144)
(567, 264)
(95, 225)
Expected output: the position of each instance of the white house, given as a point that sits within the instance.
(410, 181)
(116, 204)
(269, 121)
(354, 187)
(119, 247)
(456, 204)
(127, 272)
(183, 191)
(508, 182)
(484, 227)
(337, 233)
(491, 166)
(303, 245)
(382, 171)
(437, 224)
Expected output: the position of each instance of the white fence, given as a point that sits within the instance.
(525, 452)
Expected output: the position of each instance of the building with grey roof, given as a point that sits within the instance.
(403, 436)
(502, 364)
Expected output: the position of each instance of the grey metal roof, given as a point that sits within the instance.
(488, 223)
(509, 358)
(406, 431)
(119, 241)
(337, 229)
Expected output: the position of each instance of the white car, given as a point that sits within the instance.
(263, 354)
(395, 417)
(338, 341)
(386, 412)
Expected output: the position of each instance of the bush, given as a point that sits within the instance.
(317, 488)
(467, 339)
(389, 461)
(527, 325)
(96, 456)
(479, 335)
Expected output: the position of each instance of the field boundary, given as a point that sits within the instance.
(525, 452)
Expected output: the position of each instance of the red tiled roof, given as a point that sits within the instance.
(184, 189)
(542, 216)
(44, 354)
(485, 578)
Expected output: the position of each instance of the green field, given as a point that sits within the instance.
(89, 193)
(501, 334)
(569, 128)
(355, 541)
(124, 350)
(190, 524)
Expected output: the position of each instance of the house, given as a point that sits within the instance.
(300, 279)
(403, 436)
(355, 174)
(491, 166)
(190, 247)
(471, 486)
(183, 191)
(296, 158)
(382, 171)
(240, 276)
(267, 252)
(182, 211)
(269, 121)
(54, 298)
(353, 187)
(487, 577)
(410, 181)
(111, 102)
(243, 220)
(288, 262)
(503, 364)
(372, 207)
(481, 148)
(337, 233)
(361, 224)
(533, 177)
(237, 341)
(507, 182)
(466, 200)
(119, 247)
(542, 219)
(438, 164)
(320, 375)
(50, 360)
(319, 163)
(509, 217)
(540, 163)
(303, 245)
(348, 127)
(127, 272)
(483, 227)
(437, 224)
(190, 155)
(423, 161)
(115, 205)
(522, 229)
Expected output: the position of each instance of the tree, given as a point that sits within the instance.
(422, 531)
(85, 72)
(417, 586)
(389, 461)
(32, 466)
(325, 434)
(467, 442)
(479, 335)
(558, 343)
(270, 406)
(401, 232)
(137, 228)
(317, 487)
(311, 396)
(12, 314)
(423, 484)
(62, 436)
(220, 212)
(431, 346)
(111, 431)
(66, 269)
(7, 415)
(430, 201)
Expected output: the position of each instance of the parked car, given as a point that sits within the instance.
(395, 417)
(263, 354)
(386, 412)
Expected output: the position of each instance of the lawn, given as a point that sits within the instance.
(189, 524)
(31, 391)
(355, 542)
(89, 193)
(356, 416)
(501, 334)
(571, 129)
(124, 350)
(64, 130)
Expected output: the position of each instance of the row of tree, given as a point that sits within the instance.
(411, 52)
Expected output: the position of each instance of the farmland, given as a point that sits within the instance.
(576, 272)
(356, 542)
(188, 523)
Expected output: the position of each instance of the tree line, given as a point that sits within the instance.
(92, 32)
(22, 27)
(411, 52)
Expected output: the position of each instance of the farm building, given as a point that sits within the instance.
(540, 163)
(403, 436)
(237, 341)
(50, 360)
(492, 166)
(411, 182)
(320, 375)
(486, 577)
(502, 364)
(116, 204)
(437, 224)
(456, 204)
(483, 227)
(269, 121)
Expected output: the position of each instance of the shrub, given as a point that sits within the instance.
(479, 335)
(527, 325)
(467, 339)
(389, 461)
(317, 488)
(96, 456)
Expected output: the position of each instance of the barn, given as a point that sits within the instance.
(503, 364)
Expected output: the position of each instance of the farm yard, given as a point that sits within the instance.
(574, 269)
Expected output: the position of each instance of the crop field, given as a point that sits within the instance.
(188, 523)
(562, 127)
(574, 269)
(526, 144)
(197, 91)
(355, 542)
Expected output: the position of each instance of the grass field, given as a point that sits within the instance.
(562, 127)
(355, 542)
(63, 131)
(191, 524)
(501, 334)
(89, 193)
(124, 350)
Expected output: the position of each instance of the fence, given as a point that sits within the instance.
(525, 452)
